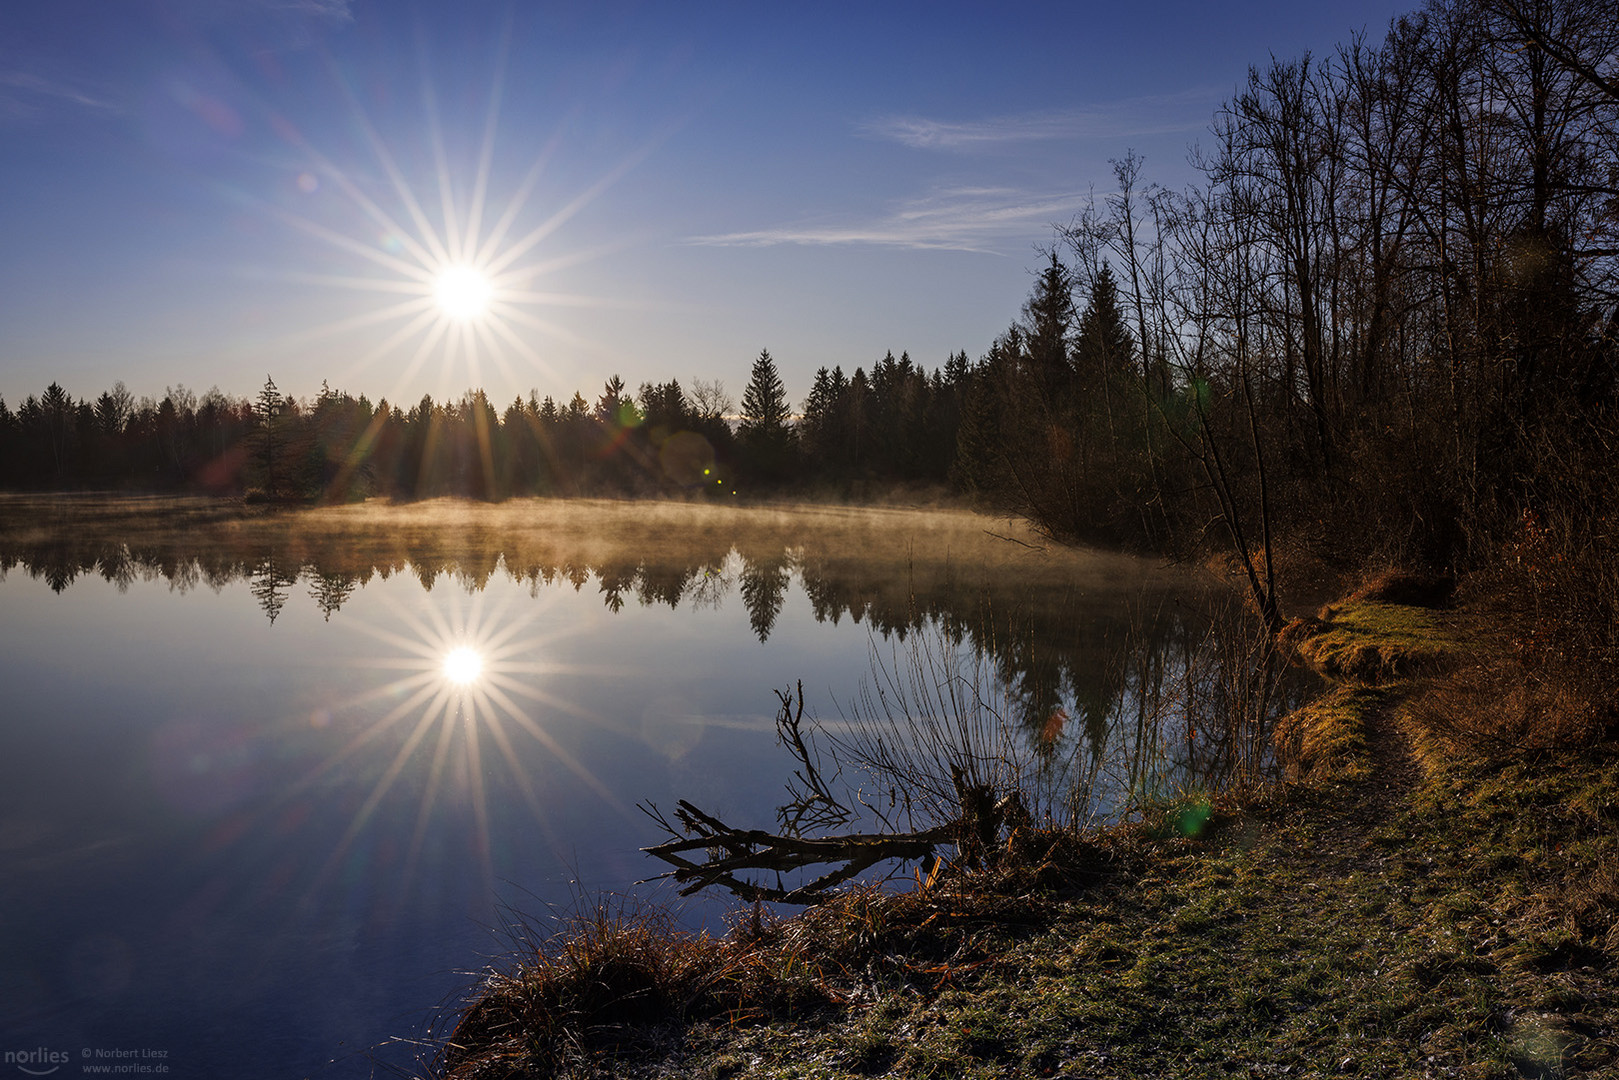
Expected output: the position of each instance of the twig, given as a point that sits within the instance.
(1015, 540)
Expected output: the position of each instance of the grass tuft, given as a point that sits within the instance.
(1369, 642)
(609, 980)
(1326, 740)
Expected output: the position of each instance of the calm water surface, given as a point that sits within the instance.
(249, 821)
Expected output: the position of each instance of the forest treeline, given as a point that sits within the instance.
(895, 424)
(1382, 326)
(1382, 329)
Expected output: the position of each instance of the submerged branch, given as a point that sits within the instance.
(731, 851)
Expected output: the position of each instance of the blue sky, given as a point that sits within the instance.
(209, 191)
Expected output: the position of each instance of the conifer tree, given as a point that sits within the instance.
(980, 464)
(1104, 349)
(57, 409)
(268, 408)
(764, 432)
(1048, 324)
(818, 431)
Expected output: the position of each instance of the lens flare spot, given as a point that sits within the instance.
(463, 666)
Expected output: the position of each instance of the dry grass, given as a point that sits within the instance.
(1371, 642)
(1500, 710)
(622, 981)
(1327, 739)
(610, 979)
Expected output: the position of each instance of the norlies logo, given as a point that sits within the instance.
(37, 1062)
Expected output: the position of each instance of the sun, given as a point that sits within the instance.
(462, 666)
(466, 283)
(463, 293)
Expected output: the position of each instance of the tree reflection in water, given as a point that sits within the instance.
(1131, 682)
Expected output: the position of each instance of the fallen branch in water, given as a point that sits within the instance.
(732, 851)
(973, 830)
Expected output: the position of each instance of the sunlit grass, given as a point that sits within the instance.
(1375, 642)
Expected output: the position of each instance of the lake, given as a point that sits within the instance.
(274, 787)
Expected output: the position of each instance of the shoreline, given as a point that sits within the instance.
(1402, 905)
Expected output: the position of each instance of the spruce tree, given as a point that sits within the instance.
(268, 408)
(1105, 349)
(986, 416)
(57, 408)
(819, 424)
(764, 433)
(764, 402)
(1048, 327)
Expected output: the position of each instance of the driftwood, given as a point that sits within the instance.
(732, 851)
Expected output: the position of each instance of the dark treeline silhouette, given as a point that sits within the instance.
(895, 424)
(1382, 328)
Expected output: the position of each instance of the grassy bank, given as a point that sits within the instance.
(1415, 902)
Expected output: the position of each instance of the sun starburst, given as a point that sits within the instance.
(463, 283)
(463, 293)
(470, 692)
(463, 665)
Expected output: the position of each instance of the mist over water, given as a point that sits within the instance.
(268, 780)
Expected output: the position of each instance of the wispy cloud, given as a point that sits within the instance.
(979, 219)
(27, 96)
(331, 11)
(269, 24)
(1159, 114)
(293, 24)
(337, 11)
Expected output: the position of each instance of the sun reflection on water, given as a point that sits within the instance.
(463, 665)
(469, 703)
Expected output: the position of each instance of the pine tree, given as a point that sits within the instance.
(980, 463)
(817, 433)
(664, 407)
(268, 408)
(764, 432)
(764, 402)
(1105, 349)
(1048, 327)
(58, 412)
(615, 408)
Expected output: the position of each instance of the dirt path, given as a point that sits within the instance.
(1359, 809)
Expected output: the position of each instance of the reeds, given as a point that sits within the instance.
(1191, 716)
(931, 723)
(1501, 709)
(609, 979)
